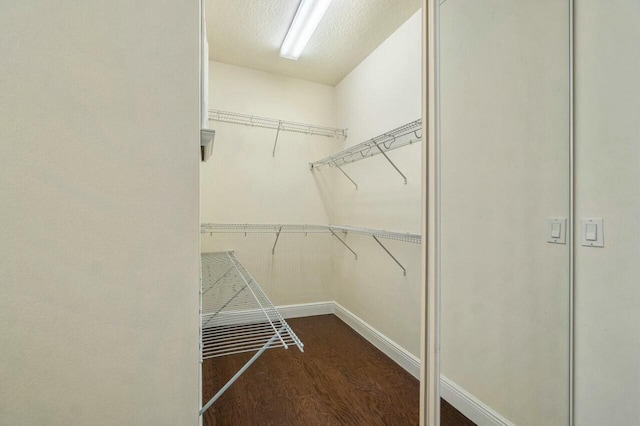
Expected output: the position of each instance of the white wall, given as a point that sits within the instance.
(608, 186)
(244, 183)
(505, 169)
(99, 213)
(382, 93)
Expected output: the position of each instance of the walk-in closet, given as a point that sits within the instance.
(320, 212)
(311, 214)
(316, 304)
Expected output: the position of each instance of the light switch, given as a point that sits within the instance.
(592, 232)
(556, 230)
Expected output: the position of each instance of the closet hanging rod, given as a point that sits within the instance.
(396, 138)
(376, 234)
(275, 124)
(393, 139)
(239, 228)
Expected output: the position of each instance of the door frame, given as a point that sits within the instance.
(430, 342)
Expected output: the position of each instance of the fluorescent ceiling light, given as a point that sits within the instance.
(308, 16)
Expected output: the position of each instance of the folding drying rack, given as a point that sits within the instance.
(236, 316)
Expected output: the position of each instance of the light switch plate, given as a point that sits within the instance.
(552, 230)
(587, 230)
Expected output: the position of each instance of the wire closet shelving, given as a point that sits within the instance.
(236, 316)
(394, 139)
(277, 229)
(275, 124)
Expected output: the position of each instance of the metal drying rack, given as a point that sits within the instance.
(396, 138)
(236, 316)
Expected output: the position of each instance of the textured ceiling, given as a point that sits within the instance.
(249, 33)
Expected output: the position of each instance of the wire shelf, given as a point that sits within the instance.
(247, 228)
(275, 124)
(396, 138)
(252, 228)
(379, 233)
(236, 315)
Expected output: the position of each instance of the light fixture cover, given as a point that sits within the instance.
(308, 16)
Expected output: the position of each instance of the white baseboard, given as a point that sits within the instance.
(306, 309)
(475, 410)
(387, 346)
(463, 401)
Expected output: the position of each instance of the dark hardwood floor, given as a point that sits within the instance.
(449, 416)
(340, 379)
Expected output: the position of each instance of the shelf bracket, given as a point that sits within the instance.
(343, 243)
(343, 172)
(273, 250)
(391, 162)
(239, 373)
(389, 253)
(273, 154)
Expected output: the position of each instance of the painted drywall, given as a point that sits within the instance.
(244, 183)
(99, 213)
(607, 297)
(380, 94)
(504, 170)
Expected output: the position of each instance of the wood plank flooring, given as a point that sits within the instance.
(340, 379)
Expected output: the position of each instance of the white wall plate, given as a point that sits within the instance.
(592, 232)
(557, 230)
